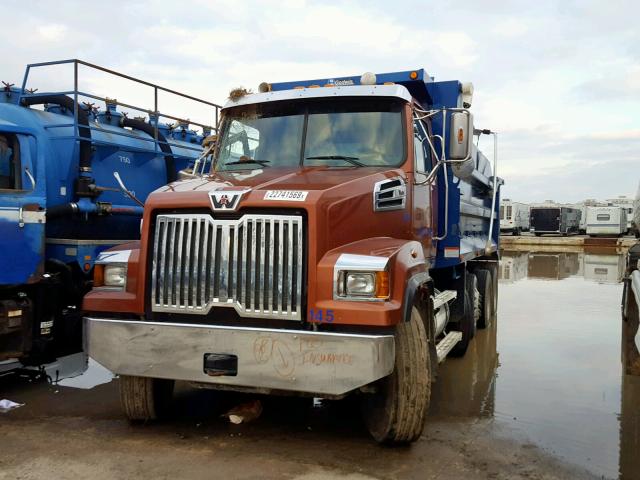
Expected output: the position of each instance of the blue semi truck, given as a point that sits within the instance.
(75, 169)
(341, 240)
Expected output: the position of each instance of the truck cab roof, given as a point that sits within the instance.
(416, 84)
(397, 91)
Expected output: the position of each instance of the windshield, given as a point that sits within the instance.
(342, 132)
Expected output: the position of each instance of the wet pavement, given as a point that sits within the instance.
(560, 380)
(540, 394)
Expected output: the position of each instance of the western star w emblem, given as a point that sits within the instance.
(226, 200)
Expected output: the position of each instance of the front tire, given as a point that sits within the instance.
(145, 399)
(396, 413)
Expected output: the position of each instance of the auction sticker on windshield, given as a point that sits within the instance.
(286, 195)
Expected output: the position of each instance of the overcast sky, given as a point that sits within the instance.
(560, 81)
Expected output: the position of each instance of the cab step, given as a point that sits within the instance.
(446, 345)
(443, 298)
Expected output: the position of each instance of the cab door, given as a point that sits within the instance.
(22, 208)
(424, 199)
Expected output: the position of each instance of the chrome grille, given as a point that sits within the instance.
(253, 264)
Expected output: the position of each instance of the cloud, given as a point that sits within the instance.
(622, 87)
(510, 27)
(52, 32)
(560, 82)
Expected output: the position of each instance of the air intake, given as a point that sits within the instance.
(389, 194)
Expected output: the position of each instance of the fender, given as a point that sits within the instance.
(118, 301)
(420, 286)
(404, 259)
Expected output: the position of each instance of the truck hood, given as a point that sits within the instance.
(295, 178)
(337, 201)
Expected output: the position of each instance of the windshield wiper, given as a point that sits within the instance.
(351, 160)
(262, 163)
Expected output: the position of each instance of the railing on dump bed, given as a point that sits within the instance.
(154, 113)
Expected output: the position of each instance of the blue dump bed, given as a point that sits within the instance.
(464, 201)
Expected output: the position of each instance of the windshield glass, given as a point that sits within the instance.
(342, 132)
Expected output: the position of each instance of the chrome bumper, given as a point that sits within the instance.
(311, 362)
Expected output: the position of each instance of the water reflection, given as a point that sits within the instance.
(466, 386)
(76, 371)
(604, 268)
(560, 382)
(601, 266)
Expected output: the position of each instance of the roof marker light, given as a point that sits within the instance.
(313, 86)
(368, 78)
(264, 87)
(466, 89)
(413, 75)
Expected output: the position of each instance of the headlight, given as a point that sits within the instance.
(359, 283)
(115, 275)
(361, 277)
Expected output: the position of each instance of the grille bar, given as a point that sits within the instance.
(253, 264)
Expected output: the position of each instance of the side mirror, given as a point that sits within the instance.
(460, 135)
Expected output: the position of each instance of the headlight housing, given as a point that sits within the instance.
(363, 285)
(110, 270)
(361, 277)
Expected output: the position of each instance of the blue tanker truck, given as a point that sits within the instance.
(75, 170)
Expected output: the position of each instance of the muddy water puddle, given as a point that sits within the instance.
(549, 370)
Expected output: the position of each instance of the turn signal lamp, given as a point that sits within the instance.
(98, 275)
(382, 285)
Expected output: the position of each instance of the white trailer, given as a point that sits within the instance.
(626, 203)
(514, 217)
(610, 220)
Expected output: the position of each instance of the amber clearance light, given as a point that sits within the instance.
(382, 285)
(98, 275)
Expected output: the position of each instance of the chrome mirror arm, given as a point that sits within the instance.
(31, 179)
(126, 191)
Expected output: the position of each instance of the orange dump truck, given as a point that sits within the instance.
(340, 239)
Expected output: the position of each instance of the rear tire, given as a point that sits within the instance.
(396, 413)
(487, 301)
(467, 324)
(145, 399)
